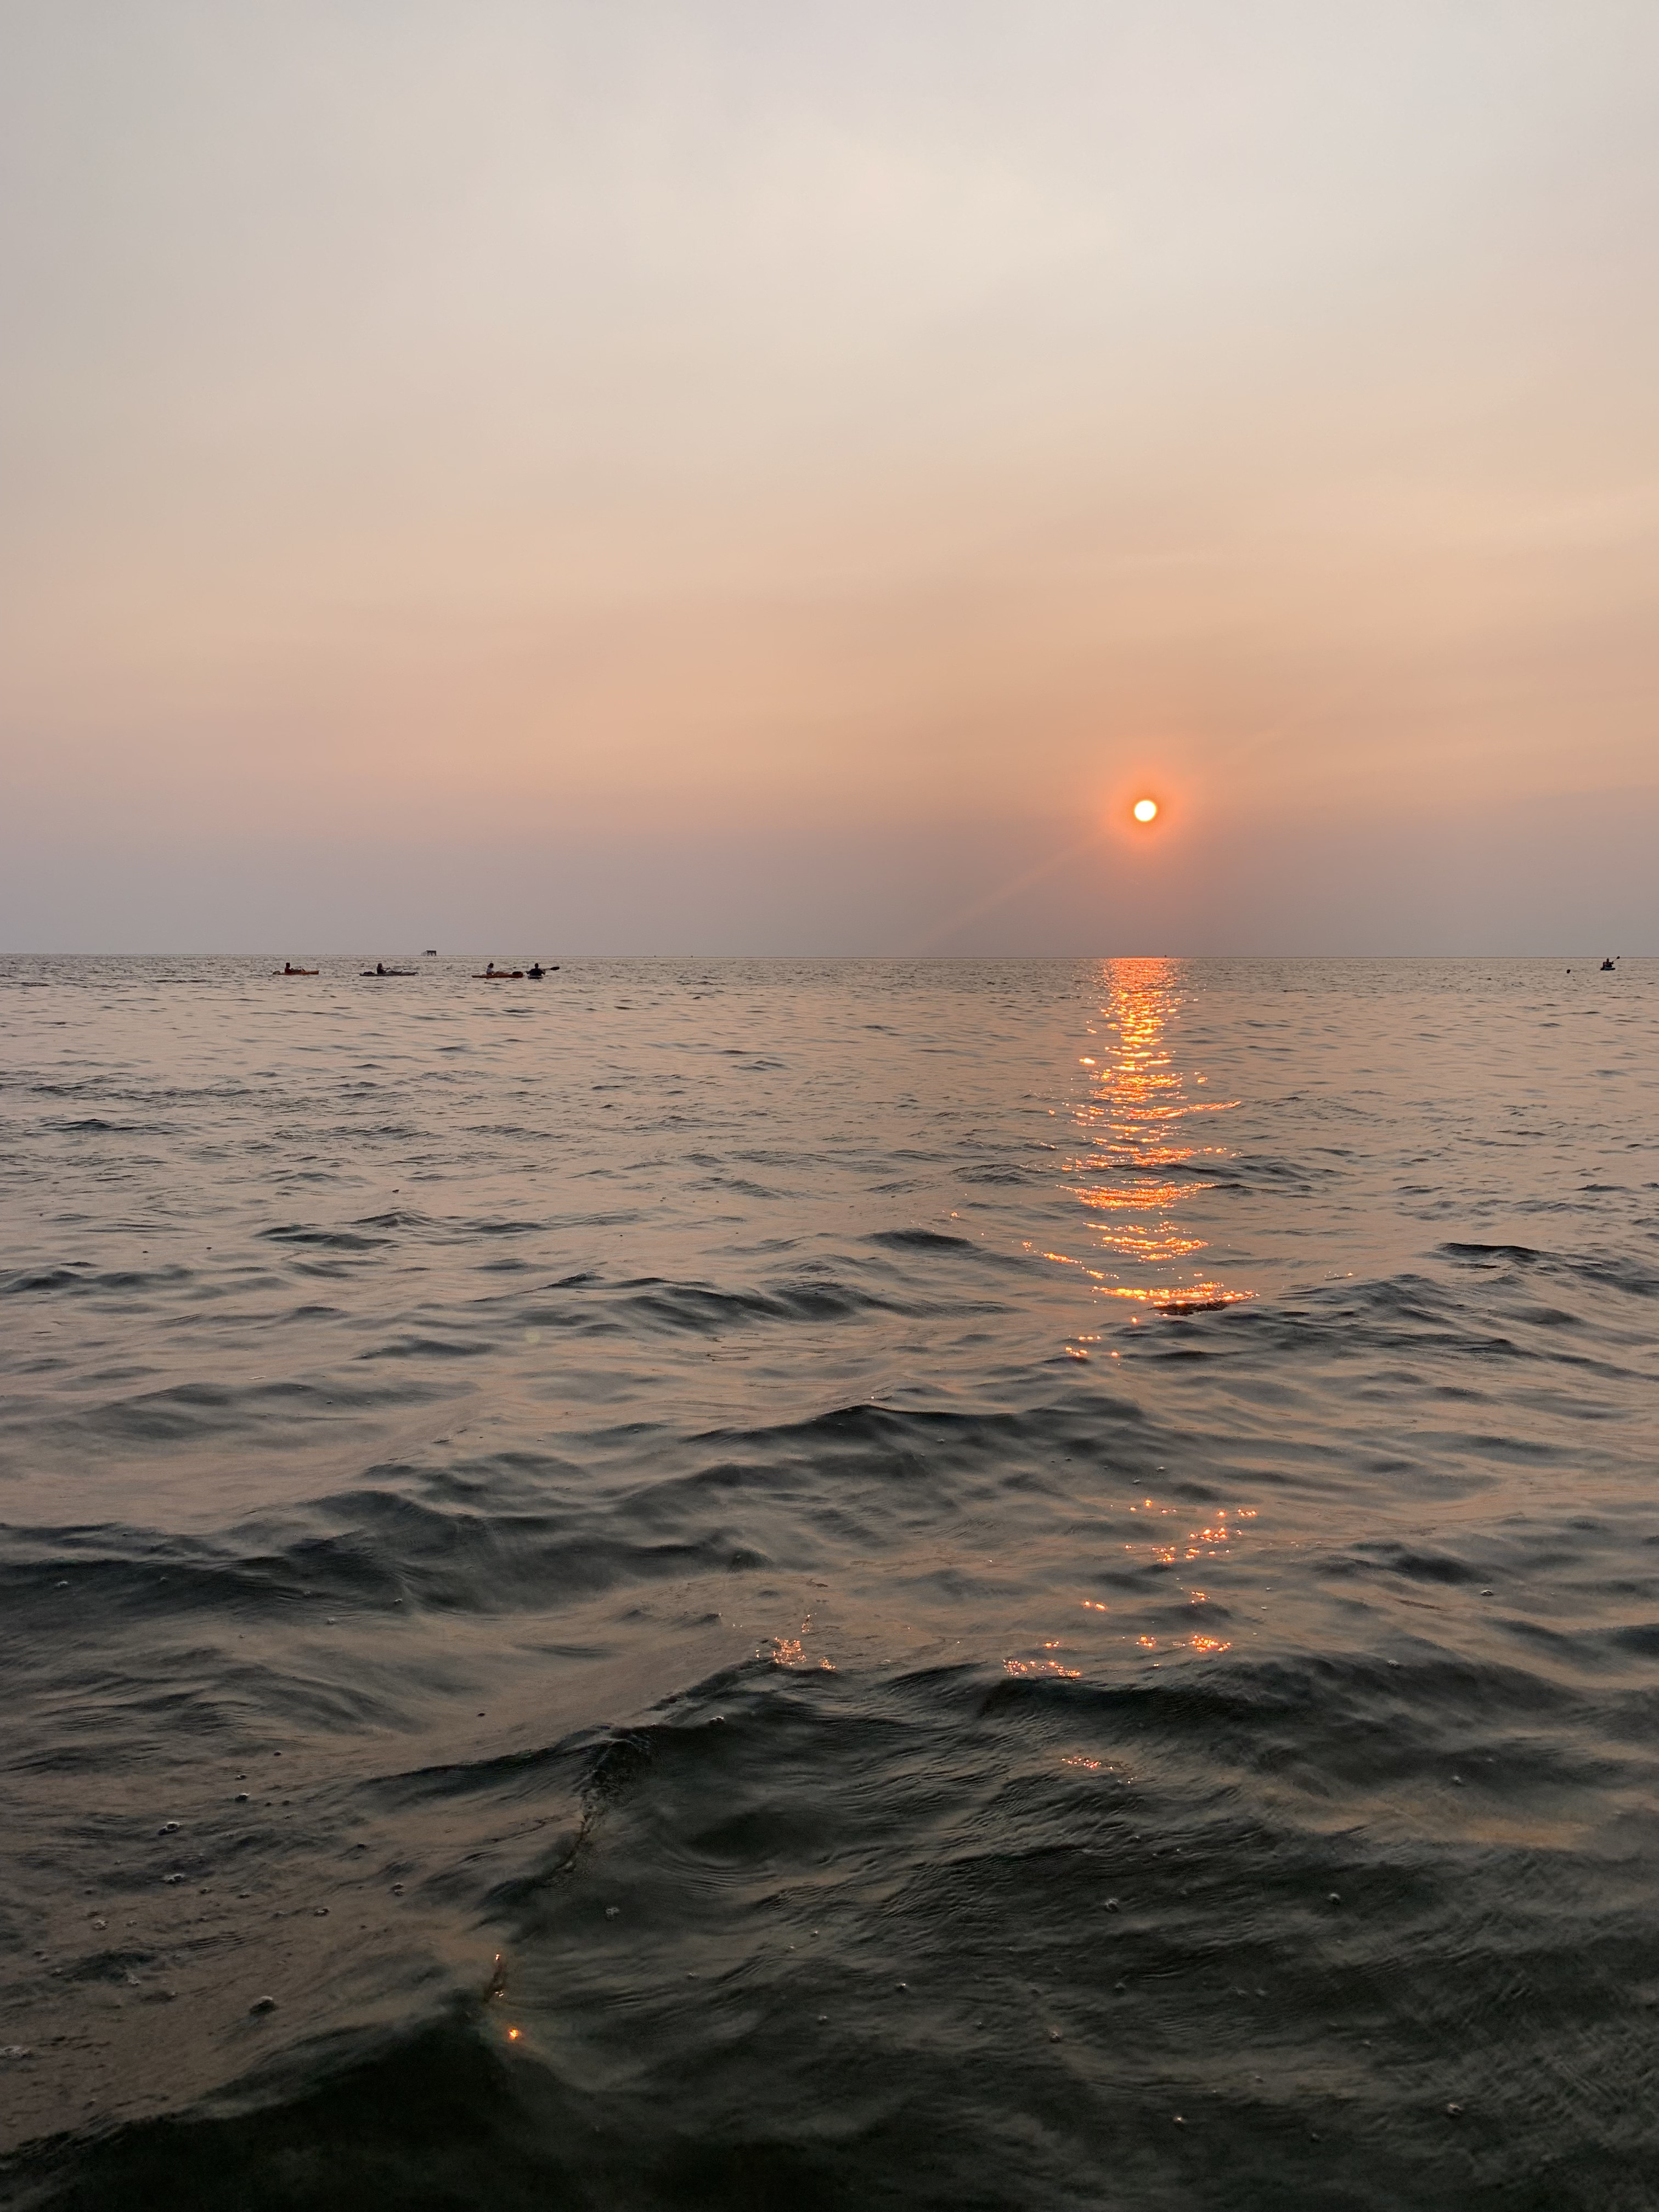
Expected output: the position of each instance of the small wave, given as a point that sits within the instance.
(1619, 1272)
(333, 1240)
(26, 1279)
(701, 1309)
(77, 1277)
(94, 1125)
(1518, 1254)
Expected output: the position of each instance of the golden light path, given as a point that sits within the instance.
(1138, 1120)
(1147, 1153)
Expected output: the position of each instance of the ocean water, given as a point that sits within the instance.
(844, 1585)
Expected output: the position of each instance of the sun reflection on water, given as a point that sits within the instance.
(1148, 1147)
(1137, 1121)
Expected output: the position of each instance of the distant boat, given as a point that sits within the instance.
(431, 952)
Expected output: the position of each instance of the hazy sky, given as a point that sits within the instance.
(762, 475)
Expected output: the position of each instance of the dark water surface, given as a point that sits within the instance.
(809, 1585)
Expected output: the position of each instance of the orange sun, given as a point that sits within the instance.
(1145, 809)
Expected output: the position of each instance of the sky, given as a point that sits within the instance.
(633, 476)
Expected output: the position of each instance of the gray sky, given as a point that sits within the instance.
(738, 476)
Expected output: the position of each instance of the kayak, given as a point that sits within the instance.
(500, 976)
(296, 971)
(375, 974)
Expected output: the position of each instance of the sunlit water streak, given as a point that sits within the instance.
(972, 1584)
(1134, 1122)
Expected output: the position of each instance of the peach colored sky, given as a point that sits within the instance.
(744, 476)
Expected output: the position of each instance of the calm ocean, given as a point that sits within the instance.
(842, 1584)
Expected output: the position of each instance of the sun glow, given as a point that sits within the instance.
(1145, 809)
